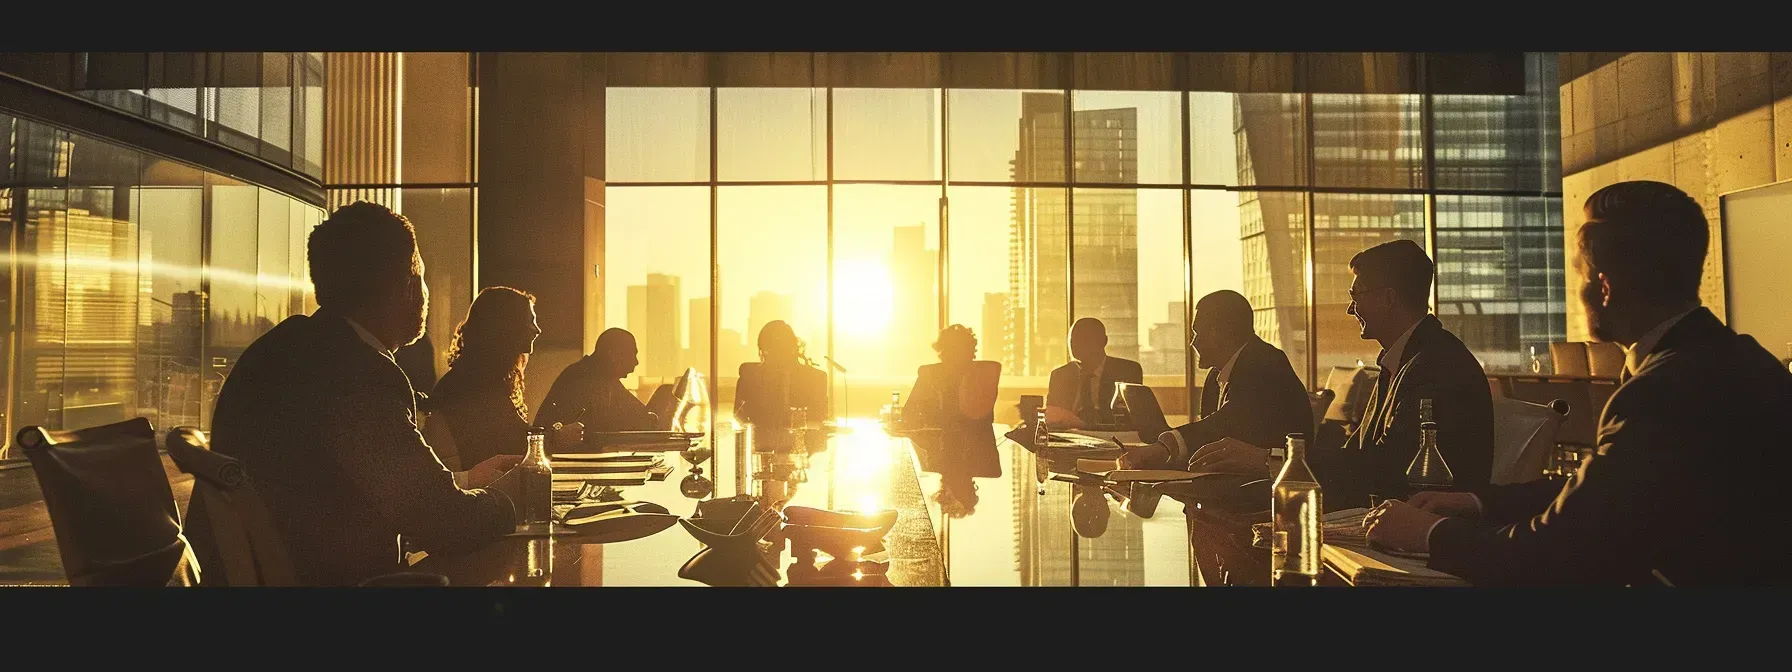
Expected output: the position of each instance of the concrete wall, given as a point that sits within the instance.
(1708, 123)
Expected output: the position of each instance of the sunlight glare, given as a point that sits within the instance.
(864, 298)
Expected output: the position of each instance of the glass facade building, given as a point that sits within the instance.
(137, 272)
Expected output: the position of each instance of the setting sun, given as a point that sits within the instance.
(864, 298)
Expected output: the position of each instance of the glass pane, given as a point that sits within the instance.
(1128, 137)
(1019, 298)
(314, 218)
(1368, 140)
(771, 134)
(656, 279)
(276, 107)
(234, 93)
(232, 322)
(656, 134)
(1247, 139)
(1129, 274)
(887, 134)
(172, 314)
(42, 157)
(437, 123)
(1501, 142)
(311, 134)
(1006, 136)
(175, 79)
(886, 298)
(273, 279)
(773, 245)
(1500, 277)
(298, 228)
(1343, 225)
(443, 219)
(1272, 237)
(99, 384)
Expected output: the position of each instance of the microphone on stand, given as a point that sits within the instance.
(833, 364)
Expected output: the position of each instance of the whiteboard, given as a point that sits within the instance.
(1757, 246)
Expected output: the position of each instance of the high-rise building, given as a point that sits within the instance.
(914, 269)
(762, 308)
(1105, 233)
(653, 317)
(994, 331)
(1168, 355)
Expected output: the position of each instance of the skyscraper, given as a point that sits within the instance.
(1168, 355)
(1105, 226)
(914, 270)
(653, 317)
(995, 327)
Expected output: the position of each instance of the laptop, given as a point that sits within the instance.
(1141, 405)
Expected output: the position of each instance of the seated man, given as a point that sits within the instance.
(323, 418)
(1080, 393)
(590, 390)
(1667, 498)
(1251, 393)
(1419, 360)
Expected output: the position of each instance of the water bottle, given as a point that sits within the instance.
(536, 478)
(1295, 548)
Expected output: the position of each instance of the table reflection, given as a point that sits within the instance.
(987, 520)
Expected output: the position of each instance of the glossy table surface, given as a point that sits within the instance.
(1018, 531)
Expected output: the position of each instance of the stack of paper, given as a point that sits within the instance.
(1369, 567)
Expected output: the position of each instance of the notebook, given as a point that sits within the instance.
(1369, 567)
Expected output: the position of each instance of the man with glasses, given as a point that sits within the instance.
(1251, 393)
(1420, 360)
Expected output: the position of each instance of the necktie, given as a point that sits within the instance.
(1210, 393)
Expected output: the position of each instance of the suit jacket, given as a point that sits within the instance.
(766, 393)
(965, 446)
(1434, 365)
(582, 393)
(1665, 498)
(327, 427)
(1065, 389)
(1261, 404)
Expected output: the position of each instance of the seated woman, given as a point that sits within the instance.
(950, 416)
(590, 390)
(481, 396)
(782, 379)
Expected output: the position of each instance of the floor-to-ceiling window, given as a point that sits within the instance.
(870, 218)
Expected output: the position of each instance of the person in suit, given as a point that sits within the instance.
(1419, 360)
(1251, 393)
(418, 361)
(953, 402)
(782, 379)
(1665, 499)
(481, 396)
(323, 419)
(590, 391)
(1080, 393)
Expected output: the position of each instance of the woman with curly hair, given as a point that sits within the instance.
(957, 398)
(481, 395)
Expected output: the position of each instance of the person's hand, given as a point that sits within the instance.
(1231, 456)
(1397, 525)
(1152, 456)
(485, 473)
(1062, 418)
(568, 435)
(1446, 504)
